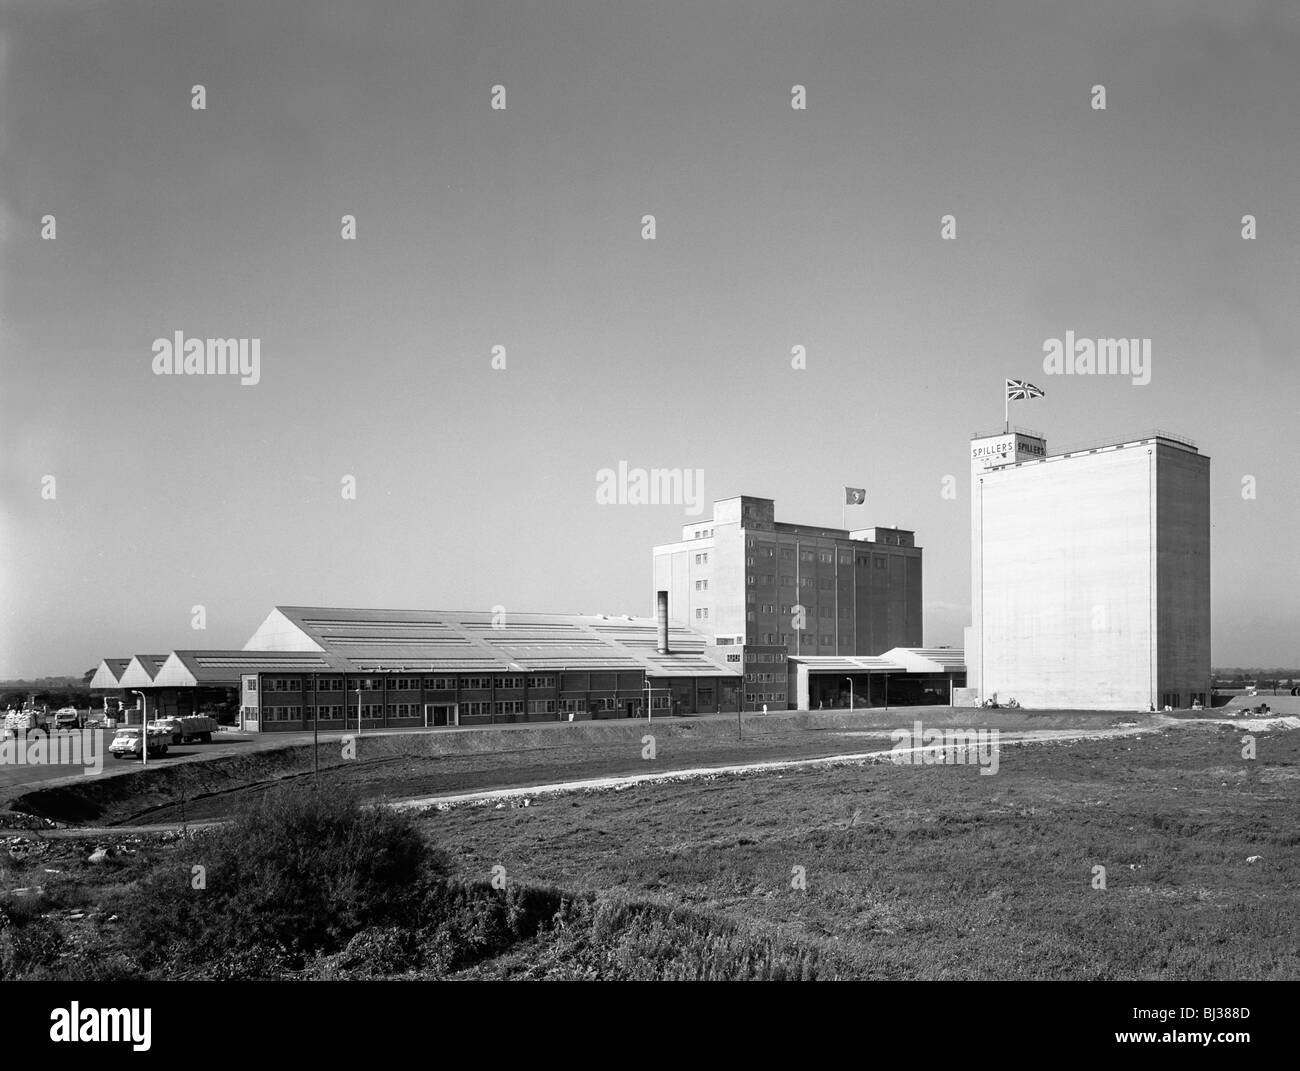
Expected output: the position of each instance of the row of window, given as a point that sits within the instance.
(753, 656)
(703, 533)
(846, 612)
(765, 697)
(375, 711)
(823, 555)
(702, 558)
(878, 561)
(764, 678)
(773, 639)
(701, 585)
(701, 613)
(401, 684)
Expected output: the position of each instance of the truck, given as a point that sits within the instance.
(187, 728)
(69, 718)
(21, 722)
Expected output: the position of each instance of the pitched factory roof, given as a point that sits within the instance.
(109, 673)
(141, 671)
(421, 641)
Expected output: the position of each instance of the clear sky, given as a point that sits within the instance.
(476, 227)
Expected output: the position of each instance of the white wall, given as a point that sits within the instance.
(1067, 579)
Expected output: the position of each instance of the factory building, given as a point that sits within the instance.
(1090, 573)
(323, 667)
(775, 590)
(902, 677)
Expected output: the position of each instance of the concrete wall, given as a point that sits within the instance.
(986, 451)
(1182, 575)
(1066, 581)
(278, 633)
(673, 574)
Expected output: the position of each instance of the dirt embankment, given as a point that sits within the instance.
(165, 790)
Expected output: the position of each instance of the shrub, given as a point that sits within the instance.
(27, 945)
(295, 874)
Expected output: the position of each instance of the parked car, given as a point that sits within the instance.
(127, 743)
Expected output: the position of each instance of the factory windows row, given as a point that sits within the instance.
(403, 684)
(826, 639)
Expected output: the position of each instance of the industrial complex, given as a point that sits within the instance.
(1089, 590)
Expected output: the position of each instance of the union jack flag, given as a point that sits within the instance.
(1018, 388)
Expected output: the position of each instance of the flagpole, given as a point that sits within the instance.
(1006, 409)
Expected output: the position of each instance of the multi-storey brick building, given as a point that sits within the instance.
(778, 589)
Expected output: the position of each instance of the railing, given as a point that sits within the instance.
(1097, 444)
(1000, 431)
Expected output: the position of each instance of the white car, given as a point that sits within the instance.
(126, 744)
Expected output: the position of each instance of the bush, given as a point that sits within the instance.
(295, 874)
(27, 945)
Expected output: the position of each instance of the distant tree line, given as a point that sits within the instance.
(53, 692)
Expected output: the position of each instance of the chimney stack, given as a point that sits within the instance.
(661, 610)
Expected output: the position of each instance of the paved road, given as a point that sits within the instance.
(18, 774)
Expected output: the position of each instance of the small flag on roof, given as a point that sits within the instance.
(1019, 389)
(855, 496)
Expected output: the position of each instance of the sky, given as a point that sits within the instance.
(522, 227)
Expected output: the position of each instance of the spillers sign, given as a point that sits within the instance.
(1001, 449)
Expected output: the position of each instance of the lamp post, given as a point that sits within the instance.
(144, 727)
(850, 680)
(315, 731)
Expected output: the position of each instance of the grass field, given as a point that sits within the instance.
(939, 872)
(906, 872)
(397, 766)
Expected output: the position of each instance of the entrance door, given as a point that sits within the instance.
(439, 714)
